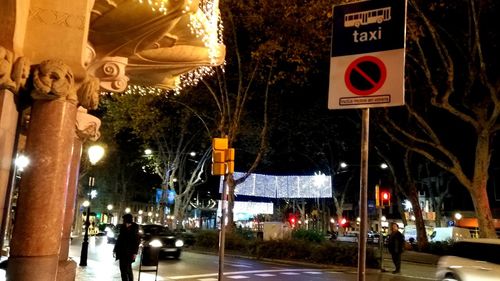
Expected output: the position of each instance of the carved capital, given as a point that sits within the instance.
(88, 93)
(6, 61)
(87, 126)
(52, 79)
(111, 73)
(21, 72)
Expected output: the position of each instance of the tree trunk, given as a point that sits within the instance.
(483, 211)
(422, 240)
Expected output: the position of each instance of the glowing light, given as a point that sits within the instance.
(319, 179)
(205, 23)
(283, 186)
(407, 205)
(22, 162)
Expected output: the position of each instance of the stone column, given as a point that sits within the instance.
(13, 75)
(36, 238)
(87, 128)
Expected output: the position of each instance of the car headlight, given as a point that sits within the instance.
(179, 243)
(110, 234)
(155, 243)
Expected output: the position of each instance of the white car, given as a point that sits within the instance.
(471, 260)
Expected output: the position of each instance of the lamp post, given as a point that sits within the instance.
(95, 154)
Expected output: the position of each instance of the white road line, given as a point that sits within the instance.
(238, 272)
(238, 277)
(265, 275)
(208, 279)
(289, 273)
(314, 272)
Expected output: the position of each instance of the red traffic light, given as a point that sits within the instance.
(385, 198)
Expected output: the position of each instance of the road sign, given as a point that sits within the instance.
(367, 61)
(365, 75)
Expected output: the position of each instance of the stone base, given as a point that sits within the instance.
(66, 271)
(32, 268)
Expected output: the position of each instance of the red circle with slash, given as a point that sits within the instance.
(365, 75)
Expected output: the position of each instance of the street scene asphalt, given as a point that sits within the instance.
(196, 266)
(102, 266)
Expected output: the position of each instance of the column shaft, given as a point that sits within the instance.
(8, 127)
(38, 225)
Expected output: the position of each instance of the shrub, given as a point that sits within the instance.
(439, 247)
(207, 239)
(308, 235)
(304, 246)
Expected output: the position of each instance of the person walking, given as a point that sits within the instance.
(395, 246)
(127, 246)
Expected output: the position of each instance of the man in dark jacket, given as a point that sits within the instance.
(127, 246)
(395, 246)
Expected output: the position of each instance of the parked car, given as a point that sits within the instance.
(373, 237)
(471, 260)
(169, 242)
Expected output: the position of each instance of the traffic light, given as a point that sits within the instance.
(219, 147)
(292, 219)
(382, 197)
(222, 157)
(385, 198)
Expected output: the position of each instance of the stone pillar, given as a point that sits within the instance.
(87, 128)
(13, 75)
(36, 238)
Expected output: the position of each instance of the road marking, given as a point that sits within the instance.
(265, 275)
(238, 277)
(208, 279)
(314, 272)
(237, 264)
(290, 273)
(240, 272)
(413, 277)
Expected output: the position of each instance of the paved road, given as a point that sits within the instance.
(204, 267)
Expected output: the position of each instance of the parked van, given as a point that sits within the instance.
(449, 233)
(410, 232)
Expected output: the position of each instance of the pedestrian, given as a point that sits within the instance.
(127, 246)
(395, 246)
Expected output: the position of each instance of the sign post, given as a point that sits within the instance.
(367, 70)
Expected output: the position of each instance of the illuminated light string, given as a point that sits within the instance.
(205, 24)
(259, 185)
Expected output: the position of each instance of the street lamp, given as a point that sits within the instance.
(95, 154)
(109, 207)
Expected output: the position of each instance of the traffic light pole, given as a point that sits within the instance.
(381, 239)
(222, 234)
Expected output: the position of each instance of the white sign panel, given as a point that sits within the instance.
(367, 62)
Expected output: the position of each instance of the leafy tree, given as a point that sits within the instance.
(173, 130)
(452, 111)
(273, 46)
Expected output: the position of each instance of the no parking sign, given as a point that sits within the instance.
(367, 61)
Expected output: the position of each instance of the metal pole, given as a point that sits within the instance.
(222, 233)
(381, 239)
(363, 196)
(85, 243)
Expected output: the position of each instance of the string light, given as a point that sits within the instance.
(284, 186)
(206, 24)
